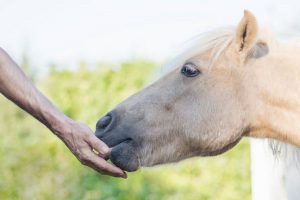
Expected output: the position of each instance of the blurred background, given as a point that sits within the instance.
(87, 56)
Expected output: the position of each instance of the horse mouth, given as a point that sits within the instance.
(123, 148)
(124, 156)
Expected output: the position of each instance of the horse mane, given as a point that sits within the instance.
(214, 41)
(290, 154)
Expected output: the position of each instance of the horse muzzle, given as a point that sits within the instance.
(120, 139)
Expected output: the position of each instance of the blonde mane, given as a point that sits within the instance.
(215, 41)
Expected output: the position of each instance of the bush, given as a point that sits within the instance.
(36, 165)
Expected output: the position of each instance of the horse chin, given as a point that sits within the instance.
(124, 156)
(222, 149)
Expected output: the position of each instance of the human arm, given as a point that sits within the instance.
(78, 137)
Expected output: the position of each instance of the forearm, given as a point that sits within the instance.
(78, 137)
(16, 87)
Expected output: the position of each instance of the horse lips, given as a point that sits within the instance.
(123, 155)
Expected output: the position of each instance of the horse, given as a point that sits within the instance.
(229, 83)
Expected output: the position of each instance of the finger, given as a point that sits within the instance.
(124, 175)
(99, 146)
(104, 167)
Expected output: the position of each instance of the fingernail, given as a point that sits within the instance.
(124, 175)
(106, 150)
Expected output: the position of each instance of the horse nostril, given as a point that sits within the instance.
(104, 122)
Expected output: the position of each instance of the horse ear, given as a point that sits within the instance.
(259, 50)
(246, 33)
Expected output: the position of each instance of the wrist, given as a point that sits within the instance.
(59, 124)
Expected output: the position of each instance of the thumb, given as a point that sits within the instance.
(99, 146)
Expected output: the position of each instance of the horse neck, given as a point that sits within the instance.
(275, 100)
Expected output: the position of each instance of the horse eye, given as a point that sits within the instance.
(189, 70)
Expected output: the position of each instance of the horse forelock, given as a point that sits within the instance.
(214, 41)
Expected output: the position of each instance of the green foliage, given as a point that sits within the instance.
(36, 165)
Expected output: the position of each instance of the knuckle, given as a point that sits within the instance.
(80, 157)
(84, 158)
(79, 152)
(86, 136)
(89, 136)
(84, 127)
(83, 162)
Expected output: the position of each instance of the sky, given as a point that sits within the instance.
(67, 31)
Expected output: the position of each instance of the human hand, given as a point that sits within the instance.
(88, 149)
(79, 138)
